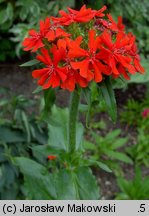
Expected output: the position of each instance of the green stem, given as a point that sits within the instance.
(73, 113)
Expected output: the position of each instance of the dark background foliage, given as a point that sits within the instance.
(17, 16)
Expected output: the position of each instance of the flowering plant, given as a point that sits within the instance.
(75, 50)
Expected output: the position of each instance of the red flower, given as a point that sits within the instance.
(134, 53)
(73, 77)
(116, 27)
(110, 24)
(120, 25)
(84, 15)
(100, 13)
(145, 113)
(51, 157)
(55, 31)
(52, 74)
(34, 41)
(90, 67)
(117, 54)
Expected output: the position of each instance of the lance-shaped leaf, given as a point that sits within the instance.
(37, 90)
(109, 98)
(49, 99)
(30, 63)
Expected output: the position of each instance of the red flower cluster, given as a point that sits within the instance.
(81, 46)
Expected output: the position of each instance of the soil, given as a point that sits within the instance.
(20, 81)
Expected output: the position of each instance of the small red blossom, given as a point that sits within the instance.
(84, 15)
(55, 31)
(145, 113)
(102, 24)
(90, 67)
(51, 157)
(120, 25)
(73, 77)
(116, 27)
(118, 54)
(52, 74)
(34, 41)
(100, 13)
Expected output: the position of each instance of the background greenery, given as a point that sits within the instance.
(17, 16)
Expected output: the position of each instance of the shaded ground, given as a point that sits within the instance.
(20, 81)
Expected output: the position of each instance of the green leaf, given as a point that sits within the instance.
(30, 63)
(113, 134)
(65, 185)
(9, 193)
(79, 136)
(39, 183)
(135, 189)
(109, 97)
(86, 184)
(37, 90)
(119, 156)
(103, 166)
(8, 174)
(49, 99)
(9, 11)
(24, 13)
(26, 125)
(3, 102)
(88, 145)
(3, 17)
(35, 9)
(41, 136)
(77, 185)
(41, 152)
(58, 128)
(2, 155)
(7, 135)
(119, 143)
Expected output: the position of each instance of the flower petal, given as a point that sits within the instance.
(82, 66)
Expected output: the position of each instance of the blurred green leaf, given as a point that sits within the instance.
(8, 135)
(37, 90)
(26, 125)
(109, 97)
(58, 128)
(49, 99)
(81, 185)
(9, 11)
(135, 189)
(119, 156)
(34, 172)
(30, 63)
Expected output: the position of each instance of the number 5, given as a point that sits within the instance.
(142, 207)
